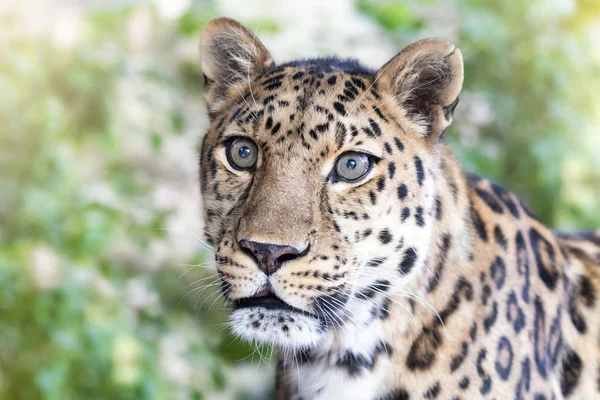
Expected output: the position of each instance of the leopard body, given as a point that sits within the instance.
(419, 281)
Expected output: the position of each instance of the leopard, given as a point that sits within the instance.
(348, 237)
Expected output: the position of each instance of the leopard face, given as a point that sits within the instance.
(318, 179)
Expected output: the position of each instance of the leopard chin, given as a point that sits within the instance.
(269, 317)
(280, 327)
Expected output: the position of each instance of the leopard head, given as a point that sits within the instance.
(318, 178)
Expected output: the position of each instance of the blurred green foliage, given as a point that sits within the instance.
(393, 16)
(538, 76)
(83, 316)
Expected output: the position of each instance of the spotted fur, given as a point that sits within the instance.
(419, 281)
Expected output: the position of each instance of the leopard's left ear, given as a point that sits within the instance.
(230, 57)
(425, 78)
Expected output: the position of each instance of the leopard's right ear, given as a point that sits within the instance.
(230, 57)
(425, 79)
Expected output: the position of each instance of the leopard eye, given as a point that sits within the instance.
(242, 154)
(352, 166)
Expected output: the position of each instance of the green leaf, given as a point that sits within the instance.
(390, 15)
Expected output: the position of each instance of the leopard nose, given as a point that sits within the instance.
(270, 257)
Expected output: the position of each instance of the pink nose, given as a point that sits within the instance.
(270, 257)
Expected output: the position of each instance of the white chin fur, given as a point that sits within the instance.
(281, 328)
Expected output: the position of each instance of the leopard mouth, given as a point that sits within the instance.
(266, 318)
(268, 300)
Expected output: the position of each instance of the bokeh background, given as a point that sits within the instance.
(107, 290)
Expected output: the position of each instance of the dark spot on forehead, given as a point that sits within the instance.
(387, 147)
(339, 107)
(375, 127)
(358, 82)
(399, 144)
(379, 113)
(322, 127)
(391, 169)
(276, 128)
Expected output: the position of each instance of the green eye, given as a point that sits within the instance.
(352, 166)
(242, 154)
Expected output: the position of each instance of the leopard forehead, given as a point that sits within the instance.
(310, 104)
(308, 112)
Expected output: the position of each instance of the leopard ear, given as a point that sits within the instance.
(425, 78)
(230, 57)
